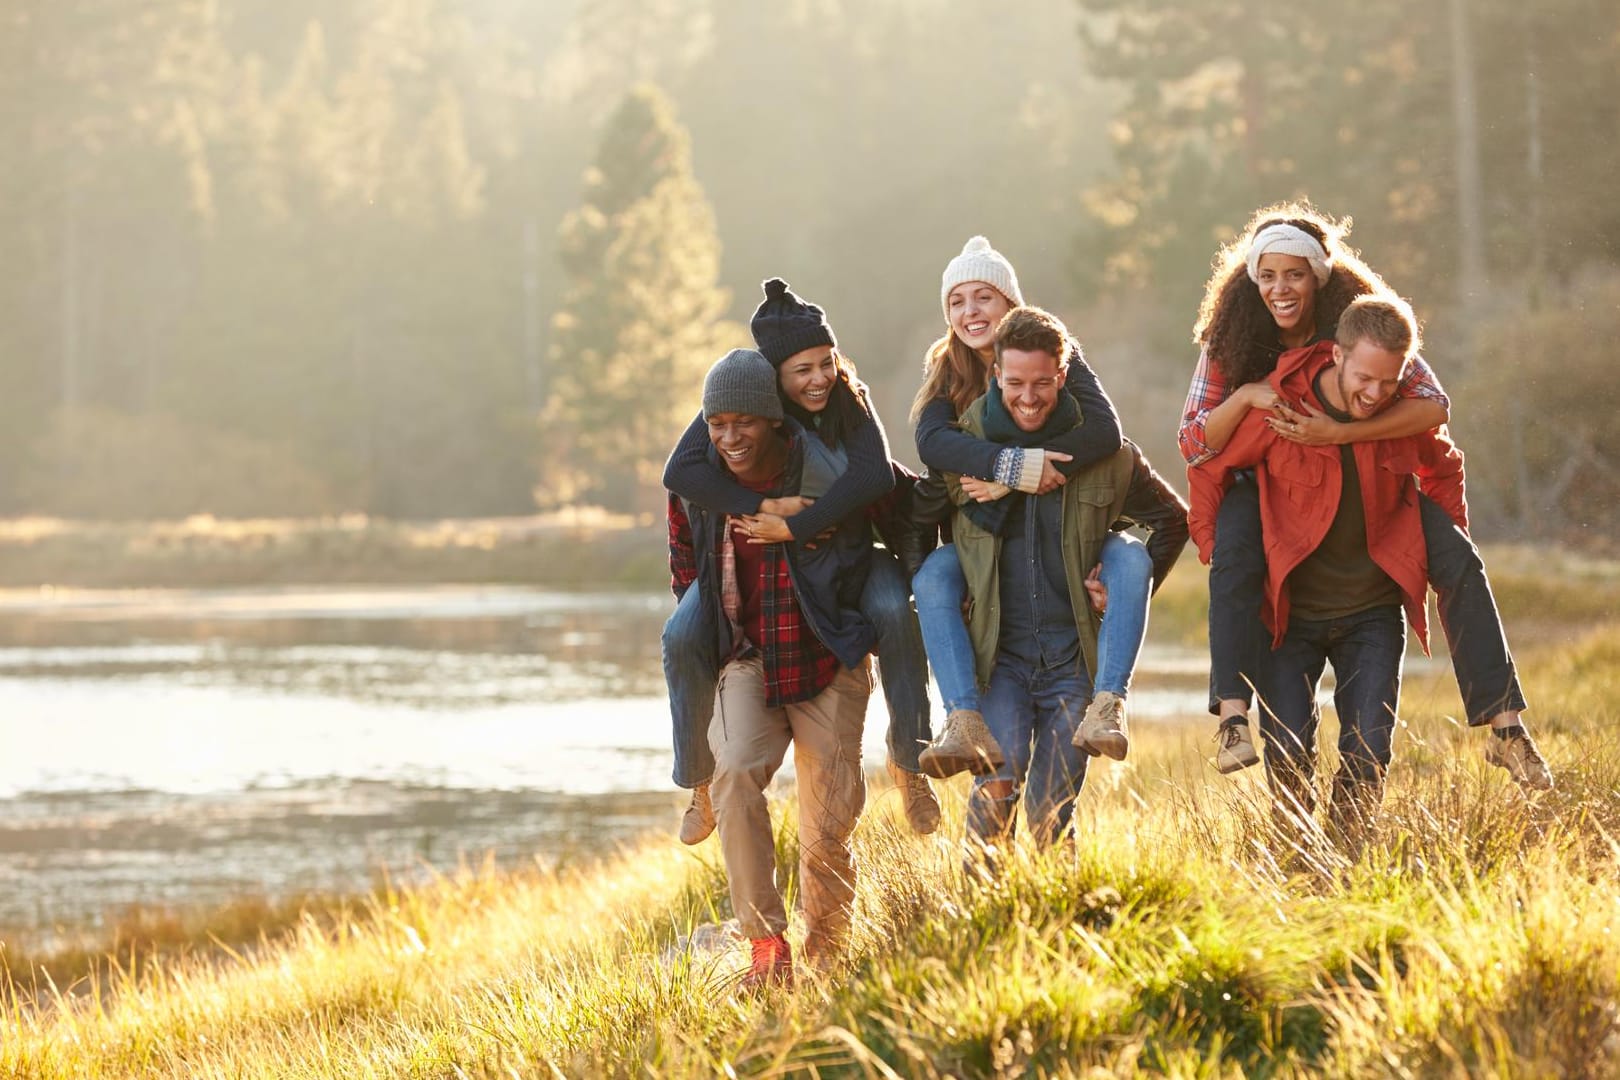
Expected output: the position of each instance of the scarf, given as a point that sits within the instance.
(999, 427)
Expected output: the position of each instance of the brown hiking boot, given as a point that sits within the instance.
(1516, 752)
(698, 821)
(1103, 729)
(922, 807)
(966, 745)
(1236, 750)
(772, 966)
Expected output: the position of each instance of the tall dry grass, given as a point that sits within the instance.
(1179, 933)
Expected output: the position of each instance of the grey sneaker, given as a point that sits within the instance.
(1236, 750)
(1103, 729)
(922, 806)
(966, 745)
(698, 821)
(1517, 754)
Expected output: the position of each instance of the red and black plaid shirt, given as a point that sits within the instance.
(797, 665)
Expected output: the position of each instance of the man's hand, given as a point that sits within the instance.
(984, 490)
(1313, 427)
(1097, 590)
(786, 506)
(1260, 395)
(1051, 479)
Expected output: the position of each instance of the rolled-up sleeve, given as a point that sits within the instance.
(1208, 390)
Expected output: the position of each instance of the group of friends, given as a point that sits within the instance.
(1325, 494)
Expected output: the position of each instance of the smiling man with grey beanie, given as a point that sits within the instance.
(742, 381)
(782, 625)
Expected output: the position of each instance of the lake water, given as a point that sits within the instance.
(182, 747)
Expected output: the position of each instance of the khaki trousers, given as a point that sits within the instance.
(749, 742)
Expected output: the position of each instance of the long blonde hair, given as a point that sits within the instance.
(951, 370)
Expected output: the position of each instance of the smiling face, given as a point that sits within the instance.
(1288, 287)
(1030, 384)
(1368, 376)
(807, 377)
(751, 446)
(974, 308)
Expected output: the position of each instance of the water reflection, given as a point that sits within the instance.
(175, 746)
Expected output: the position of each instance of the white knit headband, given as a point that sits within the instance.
(1284, 239)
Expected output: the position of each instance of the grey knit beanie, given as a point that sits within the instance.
(979, 262)
(742, 381)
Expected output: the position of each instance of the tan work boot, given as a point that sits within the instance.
(966, 745)
(1516, 752)
(698, 821)
(1103, 729)
(922, 807)
(1236, 749)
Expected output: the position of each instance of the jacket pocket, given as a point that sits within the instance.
(1299, 475)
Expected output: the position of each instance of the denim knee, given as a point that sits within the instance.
(886, 602)
(685, 630)
(1130, 558)
(940, 579)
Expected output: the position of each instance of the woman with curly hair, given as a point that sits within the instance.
(1282, 284)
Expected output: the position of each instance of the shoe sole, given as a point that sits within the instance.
(1235, 764)
(1112, 745)
(945, 766)
(1524, 782)
(693, 842)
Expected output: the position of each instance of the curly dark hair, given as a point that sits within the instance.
(1235, 327)
(848, 406)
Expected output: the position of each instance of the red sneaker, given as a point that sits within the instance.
(773, 964)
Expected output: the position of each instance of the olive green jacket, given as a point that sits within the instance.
(1093, 499)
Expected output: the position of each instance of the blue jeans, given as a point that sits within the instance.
(902, 663)
(1033, 715)
(1127, 570)
(1239, 642)
(1366, 650)
(1486, 675)
(941, 591)
(690, 667)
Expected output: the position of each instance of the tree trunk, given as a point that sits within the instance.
(1472, 281)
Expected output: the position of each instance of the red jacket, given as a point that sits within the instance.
(1300, 487)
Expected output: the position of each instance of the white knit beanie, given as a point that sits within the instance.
(979, 262)
(1285, 239)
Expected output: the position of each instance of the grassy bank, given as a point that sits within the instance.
(570, 549)
(1479, 935)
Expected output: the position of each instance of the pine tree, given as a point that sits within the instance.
(641, 319)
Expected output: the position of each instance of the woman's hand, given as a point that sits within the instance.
(1313, 427)
(1050, 477)
(984, 490)
(766, 529)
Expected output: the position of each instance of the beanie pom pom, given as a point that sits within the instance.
(775, 289)
(976, 246)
